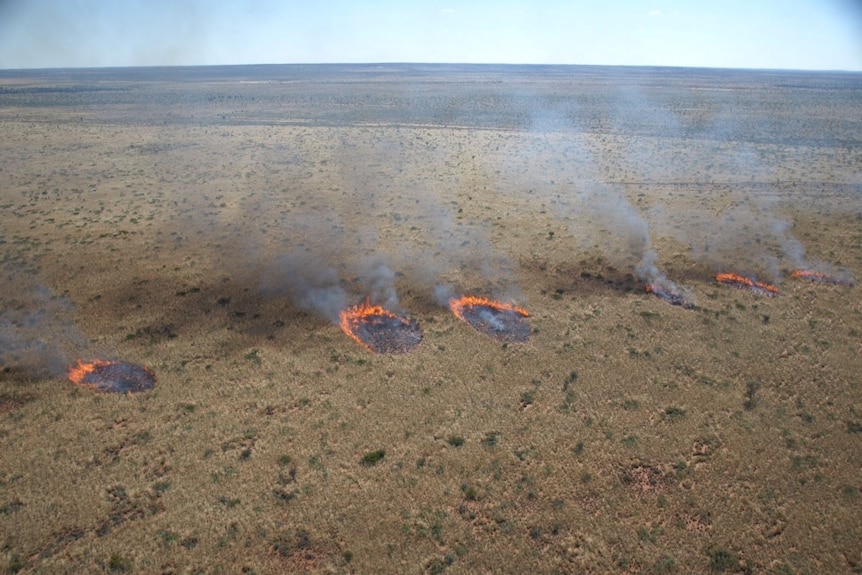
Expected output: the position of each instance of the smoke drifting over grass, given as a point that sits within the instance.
(600, 216)
(454, 255)
(310, 283)
(38, 335)
(379, 283)
(384, 231)
(609, 223)
(322, 269)
(749, 236)
(461, 260)
(658, 139)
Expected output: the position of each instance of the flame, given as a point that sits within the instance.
(457, 305)
(353, 316)
(744, 282)
(113, 376)
(819, 277)
(78, 373)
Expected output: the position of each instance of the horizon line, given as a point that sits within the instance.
(405, 63)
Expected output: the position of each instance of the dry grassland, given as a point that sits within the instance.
(145, 217)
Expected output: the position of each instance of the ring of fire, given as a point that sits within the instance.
(503, 322)
(112, 376)
(380, 330)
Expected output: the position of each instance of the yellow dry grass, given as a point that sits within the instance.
(626, 436)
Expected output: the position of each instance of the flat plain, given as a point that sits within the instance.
(209, 223)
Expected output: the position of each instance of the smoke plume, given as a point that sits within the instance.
(308, 282)
(38, 335)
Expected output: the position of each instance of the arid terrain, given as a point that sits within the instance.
(210, 224)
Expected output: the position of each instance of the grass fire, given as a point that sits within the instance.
(503, 322)
(379, 330)
(742, 282)
(112, 376)
(821, 278)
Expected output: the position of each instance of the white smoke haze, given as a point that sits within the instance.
(792, 248)
(599, 215)
(429, 244)
(386, 221)
(620, 233)
(794, 253)
(38, 335)
(308, 281)
(463, 260)
(384, 231)
(379, 283)
(749, 235)
(444, 293)
(746, 235)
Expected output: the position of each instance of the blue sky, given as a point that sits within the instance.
(786, 34)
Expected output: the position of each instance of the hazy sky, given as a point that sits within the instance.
(792, 34)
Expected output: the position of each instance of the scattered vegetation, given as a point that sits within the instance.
(290, 542)
(11, 507)
(491, 439)
(569, 388)
(650, 535)
(751, 401)
(16, 564)
(372, 457)
(119, 564)
(254, 357)
(229, 502)
(664, 566)
(854, 426)
(285, 460)
(320, 394)
(630, 440)
(470, 493)
(721, 559)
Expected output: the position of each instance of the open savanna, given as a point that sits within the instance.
(144, 215)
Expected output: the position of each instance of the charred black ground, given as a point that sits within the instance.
(505, 325)
(673, 298)
(114, 377)
(384, 333)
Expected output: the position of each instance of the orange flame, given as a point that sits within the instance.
(78, 373)
(115, 376)
(352, 317)
(457, 305)
(744, 282)
(807, 274)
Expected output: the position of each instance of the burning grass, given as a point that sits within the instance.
(112, 376)
(821, 278)
(503, 322)
(380, 330)
(742, 282)
(672, 296)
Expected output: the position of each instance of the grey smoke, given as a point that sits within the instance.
(38, 335)
(309, 282)
(379, 284)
